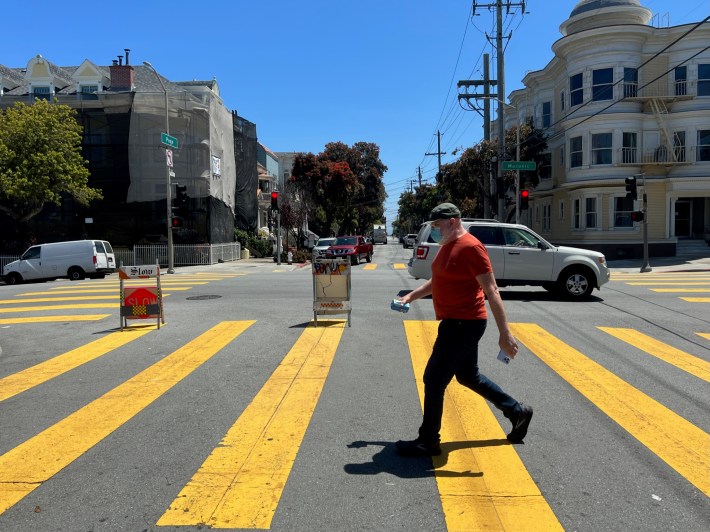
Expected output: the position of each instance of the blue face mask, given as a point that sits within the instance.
(435, 234)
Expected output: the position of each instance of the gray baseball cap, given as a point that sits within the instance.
(444, 211)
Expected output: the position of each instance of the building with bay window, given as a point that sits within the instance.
(621, 97)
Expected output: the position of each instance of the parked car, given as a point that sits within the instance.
(521, 257)
(321, 246)
(74, 260)
(409, 240)
(350, 247)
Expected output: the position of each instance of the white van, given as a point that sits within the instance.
(74, 260)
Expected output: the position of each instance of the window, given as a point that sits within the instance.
(623, 207)
(561, 211)
(89, 89)
(562, 156)
(679, 145)
(576, 92)
(518, 238)
(546, 166)
(590, 208)
(681, 80)
(40, 92)
(703, 80)
(562, 100)
(575, 152)
(601, 148)
(576, 214)
(546, 114)
(703, 145)
(546, 211)
(628, 149)
(602, 84)
(631, 82)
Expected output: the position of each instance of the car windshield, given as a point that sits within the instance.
(325, 242)
(345, 241)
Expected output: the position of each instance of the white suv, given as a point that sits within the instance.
(521, 257)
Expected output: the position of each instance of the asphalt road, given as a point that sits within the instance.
(239, 414)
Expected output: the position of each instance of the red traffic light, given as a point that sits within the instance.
(524, 197)
(176, 221)
(275, 201)
(524, 194)
(637, 216)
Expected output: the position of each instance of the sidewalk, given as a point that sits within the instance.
(699, 263)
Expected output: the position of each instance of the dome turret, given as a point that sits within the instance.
(590, 14)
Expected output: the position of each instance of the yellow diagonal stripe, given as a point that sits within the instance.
(35, 461)
(664, 283)
(107, 290)
(58, 298)
(482, 482)
(30, 377)
(49, 319)
(57, 307)
(680, 359)
(696, 299)
(704, 335)
(370, 267)
(399, 266)
(692, 288)
(679, 443)
(240, 484)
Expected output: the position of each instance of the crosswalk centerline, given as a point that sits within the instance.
(240, 483)
(680, 359)
(25, 467)
(483, 484)
(40, 373)
(675, 440)
(52, 319)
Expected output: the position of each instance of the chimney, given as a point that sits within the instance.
(127, 50)
(123, 77)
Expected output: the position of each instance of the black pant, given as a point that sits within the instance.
(455, 353)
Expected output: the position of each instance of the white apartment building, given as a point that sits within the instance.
(621, 97)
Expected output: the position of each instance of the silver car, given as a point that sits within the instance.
(321, 246)
(521, 257)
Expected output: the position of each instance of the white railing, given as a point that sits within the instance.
(183, 254)
(7, 259)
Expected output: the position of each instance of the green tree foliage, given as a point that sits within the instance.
(415, 206)
(342, 186)
(40, 159)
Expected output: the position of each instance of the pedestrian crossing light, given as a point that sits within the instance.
(637, 216)
(524, 197)
(631, 192)
(274, 201)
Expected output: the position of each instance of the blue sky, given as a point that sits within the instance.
(314, 71)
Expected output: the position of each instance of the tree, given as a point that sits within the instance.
(343, 187)
(40, 159)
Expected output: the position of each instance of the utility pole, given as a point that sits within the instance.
(420, 175)
(439, 153)
(487, 83)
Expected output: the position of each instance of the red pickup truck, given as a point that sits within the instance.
(351, 247)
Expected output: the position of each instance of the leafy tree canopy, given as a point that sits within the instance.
(343, 187)
(40, 159)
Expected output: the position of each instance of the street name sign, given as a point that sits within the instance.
(519, 165)
(168, 140)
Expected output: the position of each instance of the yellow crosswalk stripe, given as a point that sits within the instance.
(50, 319)
(681, 290)
(370, 267)
(35, 461)
(240, 483)
(704, 335)
(399, 266)
(679, 443)
(107, 290)
(665, 283)
(680, 359)
(58, 307)
(40, 373)
(61, 298)
(482, 482)
(696, 299)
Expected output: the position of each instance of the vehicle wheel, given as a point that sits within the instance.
(13, 278)
(75, 273)
(355, 260)
(369, 257)
(576, 283)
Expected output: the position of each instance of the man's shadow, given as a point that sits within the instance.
(386, 460)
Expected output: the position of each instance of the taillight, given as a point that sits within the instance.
(422, 252)
(94, 260)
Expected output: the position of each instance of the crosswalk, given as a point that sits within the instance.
(685, 284)
(482, 482)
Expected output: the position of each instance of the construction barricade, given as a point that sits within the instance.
(331, 288)
(140, 302)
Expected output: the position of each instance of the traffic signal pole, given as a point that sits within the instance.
(646, 267)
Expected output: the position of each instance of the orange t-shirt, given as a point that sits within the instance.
(455, 290)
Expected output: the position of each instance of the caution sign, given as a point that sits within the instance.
(140, 302)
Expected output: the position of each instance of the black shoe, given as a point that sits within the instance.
(417, 448)
(521, 424)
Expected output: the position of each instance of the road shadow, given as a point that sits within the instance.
(507, 294)
(387, 460)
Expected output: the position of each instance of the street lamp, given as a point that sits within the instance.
(168, 196)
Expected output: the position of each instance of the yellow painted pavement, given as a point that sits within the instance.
(58, 307)
(399, 266)
(675, 440)
(240, 483)
(370, 267)
(51, 319)
(482, 482)
(27, 466)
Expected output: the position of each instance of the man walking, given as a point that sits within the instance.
(461, 275)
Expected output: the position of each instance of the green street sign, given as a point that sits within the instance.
(168, 140)
(519, 165)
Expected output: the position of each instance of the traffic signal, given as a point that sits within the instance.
(524, 197)
(176, 222)
(274, 201)
(181, 199)
(631, 188)
(637, 216)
